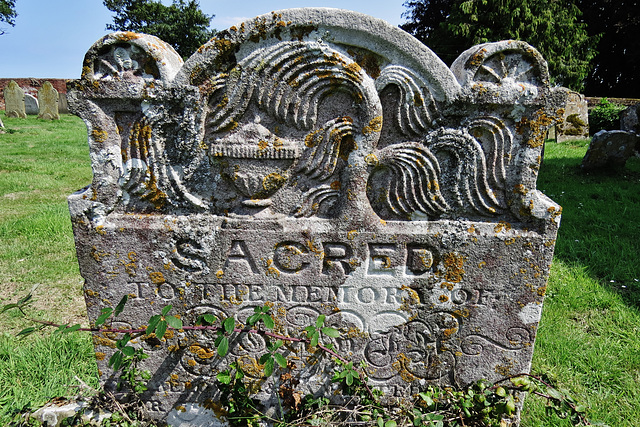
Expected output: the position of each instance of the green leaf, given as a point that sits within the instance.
(380, 422)
(116, 360)
(71, 329)
(264, 357)
(210, 318)
(229, 324)
(8, 307)
(390, 423)
(128, 351)
(106, 313)
(349, 379)
(161, 329)
(174, 322)
(223, 346)
(153, 323)
(315, 338)
(26, 331)
(280, 360)
(330, 332)
(166, 309)
(320, 321)
(253, 319)
(25, 300)
(268, 321)
(310, 330)
(120, 305)
(268, 367)
(224, 377)
(278, 344)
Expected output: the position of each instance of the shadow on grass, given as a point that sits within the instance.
(600, 228)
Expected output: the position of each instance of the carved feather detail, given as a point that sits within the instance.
(496, 140)
(414, 180)
(323, 148)
(288, 80)
(313, 200)
(416, 108)
(468, 182)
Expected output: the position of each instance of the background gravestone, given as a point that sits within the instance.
(609, 151)
(48, 97)
(317, 161)
(14, 100)
(31, 105)
(575, 120)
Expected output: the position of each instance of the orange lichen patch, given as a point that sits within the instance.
(471, 229)
(157, 277)
(336, 185)
(270, 269)
(173, 348)
(482, 264)
(510, 241)
(100, 230)
(453, 264)
(311, 140)
(502, 226)
(462, 312)
(400, 365)
(181, 408)
(520, 189)
(447, 285)
(352, 234)
(100, 355)
(128, 36)
(219, 274)
(371, 160)
(98, 340)
(201, 352)
(99, 135)
(191, 362)
(91, 293)
(448, 333)
(443, 298)
(476, 59)
(375, 125)
(273, 181)
(541, 291)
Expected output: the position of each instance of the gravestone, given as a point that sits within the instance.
(31, 105)
(14, 100)
(48, 97)
(575, 120)
(610, 150)
(320, 162)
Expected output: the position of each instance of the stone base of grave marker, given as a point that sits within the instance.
(319, 162)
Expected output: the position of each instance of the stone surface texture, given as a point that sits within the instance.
(14, 100)
(318, 161)
(575, 120)
(629, 119)
(610, 150)
(49, 100)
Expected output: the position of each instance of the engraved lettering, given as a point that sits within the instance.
(380, 259)
(392, 296)
(336, 259)
(239, 255)
(289, 257)
(419, 260)
(166, 291)
(368, 295)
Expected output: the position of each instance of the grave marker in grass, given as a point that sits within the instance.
(329, 166)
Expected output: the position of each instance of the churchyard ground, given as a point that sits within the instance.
(587, 341)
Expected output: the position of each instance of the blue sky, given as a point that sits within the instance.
(51, 37)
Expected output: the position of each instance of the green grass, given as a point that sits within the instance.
(588, 340)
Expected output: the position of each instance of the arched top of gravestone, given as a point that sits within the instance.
(130, 56)
(371, 42)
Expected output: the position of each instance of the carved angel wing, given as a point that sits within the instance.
(414, 180)
(468, 180)
(416, 108)
(323, 148)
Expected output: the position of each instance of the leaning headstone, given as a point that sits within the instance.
(318, 162)
(575, 120)
(609, 150)
(629, 119)
(31, 105)
(48, 97)
(14, 100)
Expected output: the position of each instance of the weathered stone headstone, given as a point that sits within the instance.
(575, 120)
(48, 97)
(31, 105)
(14, 100)
(325, 162)
(629, 119)
(609, 150)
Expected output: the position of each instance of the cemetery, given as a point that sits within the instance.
(314, 211)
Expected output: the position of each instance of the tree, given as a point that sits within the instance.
(7, 13)
(551, 26)
(616, 72)
(183, 25)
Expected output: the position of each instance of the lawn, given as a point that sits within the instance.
(588, 337)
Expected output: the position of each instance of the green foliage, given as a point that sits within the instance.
(605, 116)
(552, 27)
(182, 24)
(7, 13)
(239, 406)
(617, 65)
